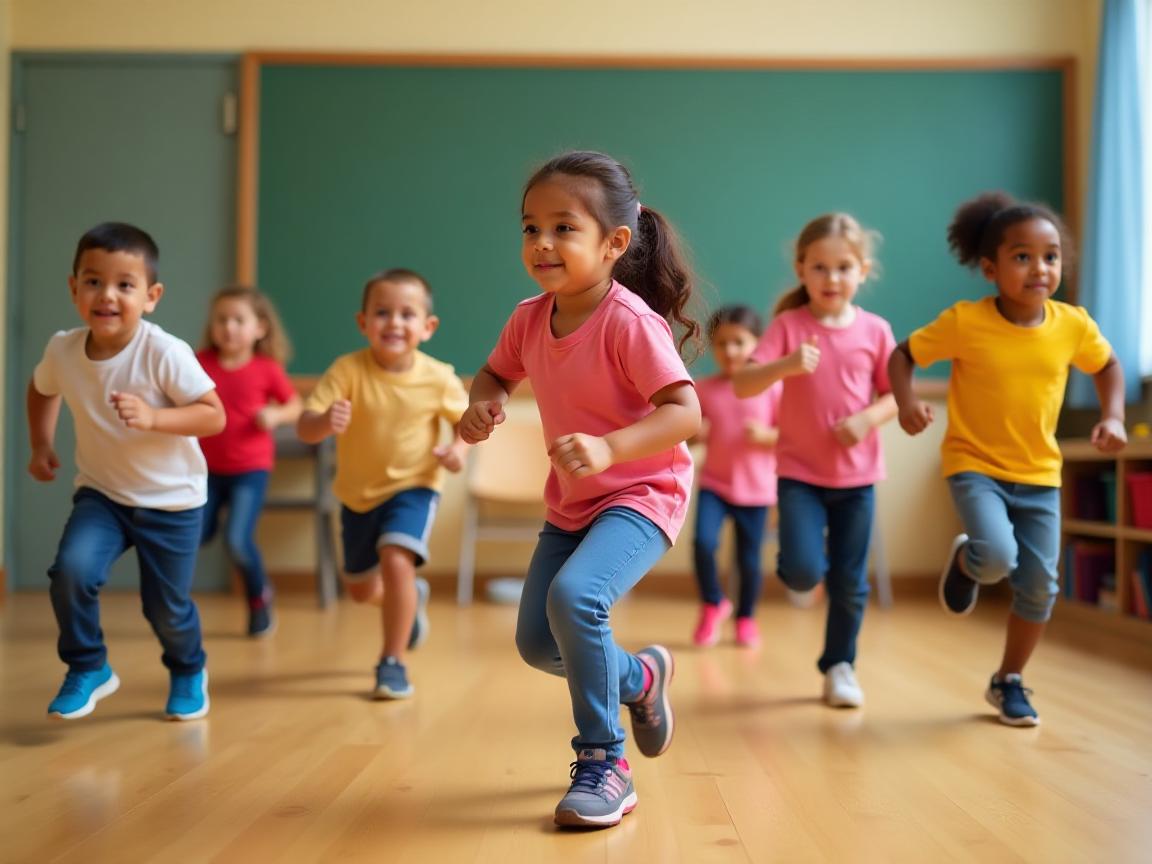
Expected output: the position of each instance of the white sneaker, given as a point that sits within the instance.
(805, 599)
(841, 689)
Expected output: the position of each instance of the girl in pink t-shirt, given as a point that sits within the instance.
(617, 405)
(738, 479)
(833, 358)
(244, 353)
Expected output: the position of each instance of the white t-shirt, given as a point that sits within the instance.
(138, 469)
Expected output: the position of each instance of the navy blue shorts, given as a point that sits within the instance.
(404, 520)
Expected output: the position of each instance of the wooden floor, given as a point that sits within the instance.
(295, 764)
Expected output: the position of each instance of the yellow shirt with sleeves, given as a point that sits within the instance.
(1007, 385)
(395, 424)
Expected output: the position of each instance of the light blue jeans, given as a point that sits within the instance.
(573, 580)
(1013, 532)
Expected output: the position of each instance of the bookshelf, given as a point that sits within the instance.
(1105, 532)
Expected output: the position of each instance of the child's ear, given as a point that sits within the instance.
(431, 324)
(988, 269)
(153, 293)
(72, 286)
(865, 268)
(361, 322)
(618, 242)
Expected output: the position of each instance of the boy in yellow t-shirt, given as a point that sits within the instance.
(1010, 356)
(385, 403)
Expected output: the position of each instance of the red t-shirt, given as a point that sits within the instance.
(243, 446)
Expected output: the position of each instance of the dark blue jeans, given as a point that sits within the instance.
(97, 533)
(839, 557)
(243, 495)
(749, 524)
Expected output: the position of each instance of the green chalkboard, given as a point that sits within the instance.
(361, 168)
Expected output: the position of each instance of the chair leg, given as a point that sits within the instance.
(465, 571)
(880, 567)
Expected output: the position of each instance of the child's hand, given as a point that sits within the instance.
(339, 415)
(580, 455)
(1109, 435)
(916, 417)
(805, 359)
(756, 432)
(266, 418)
(449, 456)
(479, 421)
(852, 429)
(43, 464)
(134, 411)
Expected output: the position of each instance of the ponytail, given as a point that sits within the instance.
(793, 299)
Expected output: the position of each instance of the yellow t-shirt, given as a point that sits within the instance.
(396, 416)
(1007, 385)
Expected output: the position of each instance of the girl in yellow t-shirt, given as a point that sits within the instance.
(1010, 355)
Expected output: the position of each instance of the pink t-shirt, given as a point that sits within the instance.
(853, 370)
(596, 380)
(739, 471)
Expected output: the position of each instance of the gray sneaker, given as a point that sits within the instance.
(420, 626)
(652, 722)
(600, 794)
(958, 591)
(392, 680)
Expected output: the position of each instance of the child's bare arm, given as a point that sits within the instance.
(486, 398)
(314, 426)
(915, 416)
(200, 419)
(451, 456)
(43, 413)
(755, 378)
(676, 419)
(1109, 434)
(271, 416)
(855, 428)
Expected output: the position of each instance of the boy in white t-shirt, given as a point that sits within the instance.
(139, 399)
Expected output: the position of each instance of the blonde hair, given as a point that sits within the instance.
(274, 343)
(842, 225)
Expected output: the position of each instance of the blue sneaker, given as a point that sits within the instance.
(601, 793)
(420, 627)
(392, 680)
(957, 590)
(188, 696)
(652, 722)
(81, 691)
(1010, 697)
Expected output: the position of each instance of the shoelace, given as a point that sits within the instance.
(589, 775)
(184, 686)
(643, 713)
(1013, 688)
(73, 683)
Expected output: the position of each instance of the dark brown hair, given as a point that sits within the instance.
(742, 316)
(120, 237)
(654, 266)
(396, 274)
(978, 227)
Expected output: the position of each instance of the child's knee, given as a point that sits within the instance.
(1034, 598)
(705, 545)
(397, 562)
(71, 574)
(536, 649)
(989, 562)
(803, 577)
(364, 587)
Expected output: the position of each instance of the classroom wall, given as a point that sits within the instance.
(833, 29)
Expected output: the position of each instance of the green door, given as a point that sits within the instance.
(140, 140)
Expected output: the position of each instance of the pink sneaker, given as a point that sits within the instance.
(747, 632)
(711, 617)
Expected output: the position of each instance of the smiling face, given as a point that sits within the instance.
(832, 271)
(235, 328)
(1027, 268)
(395, 321)
(564, 248)
(112, 292)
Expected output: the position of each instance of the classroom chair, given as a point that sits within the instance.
(506, 471)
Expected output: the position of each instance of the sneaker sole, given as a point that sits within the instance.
(106, 689)
(421, 624)
(384, 694)
(568, 818)
(957, 542)
(266, 632)
(194, 715)
(669, 671)
(832, 702)
(1018, 722)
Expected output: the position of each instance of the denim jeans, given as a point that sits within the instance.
(243, 495)
(749, 524)
(97, 533)
(840, 558)
(573, 580)
(1013, 531)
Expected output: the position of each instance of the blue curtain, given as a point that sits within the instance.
(1111, 280)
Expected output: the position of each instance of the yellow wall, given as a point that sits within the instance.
(914, 509)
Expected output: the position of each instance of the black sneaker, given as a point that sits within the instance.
(1010, 697)
(261, 621)
(958, 591)
(601, 792)
(652, 722)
